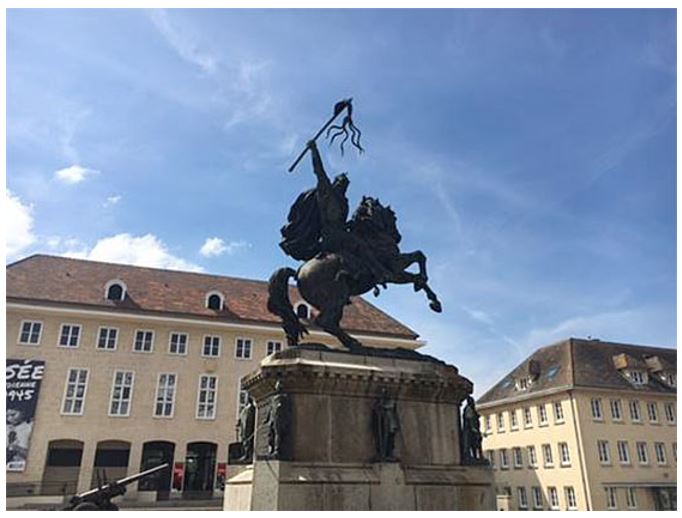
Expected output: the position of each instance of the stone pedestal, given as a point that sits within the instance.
(329, 457)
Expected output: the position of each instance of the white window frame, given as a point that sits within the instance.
(513, 420)
(631, 497)
(488, 423)
(123, 386)
(553, 495)
(642, 447)
(670, 413)
(537, 497)
(543, 418)
(142, 351)
(170, 343)
(649, 407)
(110, 284)
(636, 416)
(638, 377)
(500, 422)
(71, 326)
(558, 416)
(308, 307)
(518, 457)
(219, 295)
(611, 498)
(74, 397)
(99, 335)
(236, 348)
(596, 408)
(277, 346)
(212, 416)
(564, 454)
(527, 417)
(603, 447)
(659, 449)
(164, 402)
(240, 404)
(21, 332)
(532, 457)
(203, 346)
(547, 460)
(504, 460)
(623, 452)
(571, 498)
(616, 410)
(522, 496)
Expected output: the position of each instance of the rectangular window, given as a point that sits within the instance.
(121, 393)
(504, 462)
(616, 413)
(553, 498)
(547, 455)
(558, 412)
(595, 405)
(490, 455)
(532, 458)
(107, 338)
(642, 453)
(659, 447)
(611, 502)
(623, 452)
(631, 497)
(635, 413)
(243, 349)
(488, 424)
(206, 398)
(29, 333)
(652, 410)
(523, 497)
(670, 413)
(211, 347)
(513, 422)
(542, 415)
(69, 335)
(500, 422)
(604, 454)
(518, 458)
(637, 377)
(571, 501)
(177, 343)
(243, 399)
(537, 497)
(144, 341)
(564, 454)
(527, 418)
(273, 347)
(165, 395)
(74, 393)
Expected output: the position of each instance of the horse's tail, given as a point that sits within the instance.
(280, 305)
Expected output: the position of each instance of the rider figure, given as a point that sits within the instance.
(333, 207)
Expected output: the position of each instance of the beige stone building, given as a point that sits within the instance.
(142, 366)
(585, 425)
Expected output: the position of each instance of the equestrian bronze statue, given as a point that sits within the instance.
(342, 257)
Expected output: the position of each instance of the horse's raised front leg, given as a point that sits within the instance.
(419, 280)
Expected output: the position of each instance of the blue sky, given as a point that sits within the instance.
(530, 154)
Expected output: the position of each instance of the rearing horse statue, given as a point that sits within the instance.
(342, 258)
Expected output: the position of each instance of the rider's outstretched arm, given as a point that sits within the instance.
(318, 168)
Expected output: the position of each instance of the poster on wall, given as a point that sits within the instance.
(22, 386)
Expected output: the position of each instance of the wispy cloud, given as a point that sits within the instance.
(74, 174)
(19, 227)
(147, 250)
(215, 246)
(112, 200)
(182, 42)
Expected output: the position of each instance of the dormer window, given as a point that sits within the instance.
(302, 311)
(214, 301)
(522, 383)
(669, 379)
(637, 377)
(115, 290)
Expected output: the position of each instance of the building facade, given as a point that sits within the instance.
(136, 367)
(585, 425)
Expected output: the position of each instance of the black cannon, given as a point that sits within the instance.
(99, 498)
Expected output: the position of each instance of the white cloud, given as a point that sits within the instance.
(182, 42)
(74, 174)
(19, 225)
(147, 250)
(214, 246)
(478, 315)
(112, 200)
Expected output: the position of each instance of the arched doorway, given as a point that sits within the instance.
(155, 453)
(62, 467)
(111, 461)
(200, 465)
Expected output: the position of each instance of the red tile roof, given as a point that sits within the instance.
(45, 278)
